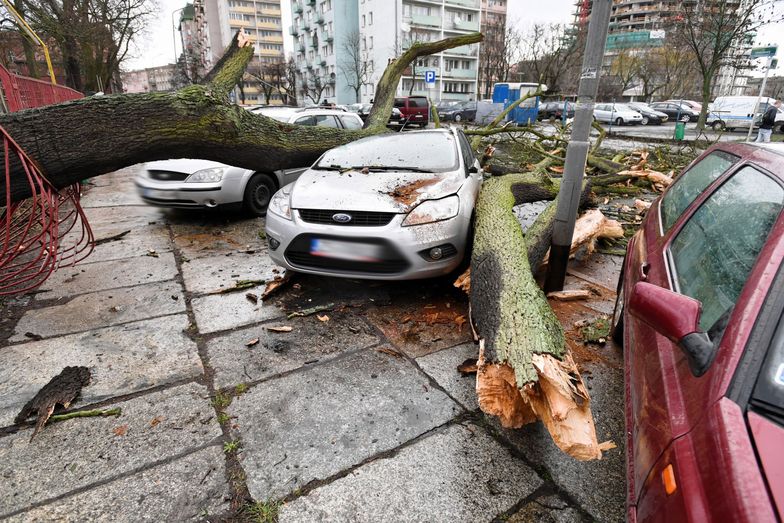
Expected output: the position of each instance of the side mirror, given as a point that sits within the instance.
(677, 318)
(474, 168)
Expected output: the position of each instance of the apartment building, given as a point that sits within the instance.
(640, 24)
(385, 29)
(195, 39)
(493, 26)
(261, 22)
(149, 80)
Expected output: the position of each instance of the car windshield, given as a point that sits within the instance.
(427, 151)
(623, 107)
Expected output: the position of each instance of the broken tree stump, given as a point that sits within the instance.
(62, 389)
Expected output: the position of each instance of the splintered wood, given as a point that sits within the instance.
(589, 228)
(559, 398)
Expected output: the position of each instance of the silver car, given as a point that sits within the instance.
(189, 183)
(617, 114)
(386, 207)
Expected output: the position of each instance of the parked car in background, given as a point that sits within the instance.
(737, 112)
(649, 115)
(395, 206)
(458, 112)
(691, 104)
(415, 109)
(676, 111)
(193, 184)
(700, 314)
(617, 114)
(555, 110)
(363, 110)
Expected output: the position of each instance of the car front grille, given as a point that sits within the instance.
(167, 176)
(299, 256)
(358, 218)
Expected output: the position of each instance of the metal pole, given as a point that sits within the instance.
(577, 150)
(759, 97)
(174, 33)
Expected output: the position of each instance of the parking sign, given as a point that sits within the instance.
(430, 79)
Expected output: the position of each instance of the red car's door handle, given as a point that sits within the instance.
(644, 268)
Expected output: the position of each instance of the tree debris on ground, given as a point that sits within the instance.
(62, 389)
(277, 284)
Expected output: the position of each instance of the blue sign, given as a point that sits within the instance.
(430, 78)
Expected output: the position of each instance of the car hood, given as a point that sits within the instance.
(182, 165)
(389, 191)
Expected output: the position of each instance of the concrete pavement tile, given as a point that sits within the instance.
(458, 474)
(213, 233)
(77, 453)
(310, 340)
(311, 425)
(123, 359)
(547, 509)
(104, 219)
(190, 488)
(91, 277)
(139, 242)
(214, 273)
(102, 309)
(604, 500)
(442, 367)
(219, 312)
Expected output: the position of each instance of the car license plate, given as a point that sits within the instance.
(349, 251)
(152, 193)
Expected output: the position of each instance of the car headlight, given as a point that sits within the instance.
(280, 204)
(213, 174)
(431, 211)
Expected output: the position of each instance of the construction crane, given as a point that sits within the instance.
(29, 31)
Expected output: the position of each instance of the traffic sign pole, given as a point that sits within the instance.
(762, 90)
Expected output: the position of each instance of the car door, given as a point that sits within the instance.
(601, 113)
(712, 228)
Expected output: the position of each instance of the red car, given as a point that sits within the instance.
(415, 110)
(699, 309)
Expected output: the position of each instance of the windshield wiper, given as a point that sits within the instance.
(333, 167)
(397, 168)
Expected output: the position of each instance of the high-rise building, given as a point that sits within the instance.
(261, 22)
(636, 25)
(327, 33)
(493, 26)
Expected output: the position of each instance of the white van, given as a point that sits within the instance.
(735, 112)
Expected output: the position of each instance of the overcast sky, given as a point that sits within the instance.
(157, 47)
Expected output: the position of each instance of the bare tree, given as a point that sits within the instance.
(713, 30)
(665, 70)
(290, 82)
(314, 84)
(354, 63)
(550, 55)
(626, 68)
(499, 51)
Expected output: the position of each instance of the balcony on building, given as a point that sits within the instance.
(293, 30)
(320, 19)
(311, 3)
(460, 73)
(326, 36)
(463, 50)
(426, 20)
(320, 60)
(301, 48)
(266, 11)
(463, 25)
(297, 8)
(464, 3)
(304, 25)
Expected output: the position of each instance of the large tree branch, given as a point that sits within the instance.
(77, 140)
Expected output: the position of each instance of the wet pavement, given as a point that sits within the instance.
(356, 414)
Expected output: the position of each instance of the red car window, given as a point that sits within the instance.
(691, 184)
(715, 250)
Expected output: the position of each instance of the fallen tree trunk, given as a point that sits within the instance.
(84, 138)
(524, 372)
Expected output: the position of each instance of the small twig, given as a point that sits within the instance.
(312, 310)
(111, 238)
(86, 414)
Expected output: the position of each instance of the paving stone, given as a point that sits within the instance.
(102, 309)
(218, 312)
(190, 488)
(604, 500)
(458, 474)
(442, 367)
(547, 509)
(310, 341)
(77, 453)
(103, 219)
(213, 273)
(123, 359)
(601, 268)
(92, 277)
(139, 242)
(207, 234)
(311, 425)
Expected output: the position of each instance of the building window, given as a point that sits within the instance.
(370, 18)
(371, 43)
(363, 20)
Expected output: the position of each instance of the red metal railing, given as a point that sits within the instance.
(22, 92)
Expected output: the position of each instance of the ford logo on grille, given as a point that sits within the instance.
(341, 217)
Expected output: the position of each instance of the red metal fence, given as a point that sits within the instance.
(22, 92)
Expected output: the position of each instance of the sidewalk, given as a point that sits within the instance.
(357, 414)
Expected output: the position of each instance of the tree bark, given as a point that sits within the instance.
(81, 139)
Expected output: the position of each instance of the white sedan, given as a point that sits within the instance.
(617, 114)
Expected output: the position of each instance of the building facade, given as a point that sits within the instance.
(493, 26)
(149, 80)
(379, 31)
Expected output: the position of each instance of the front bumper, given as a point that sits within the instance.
(402, 246)
(182, 195)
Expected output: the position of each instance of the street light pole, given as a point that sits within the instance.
(759, 97)
(174, 33)
(577, 150)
